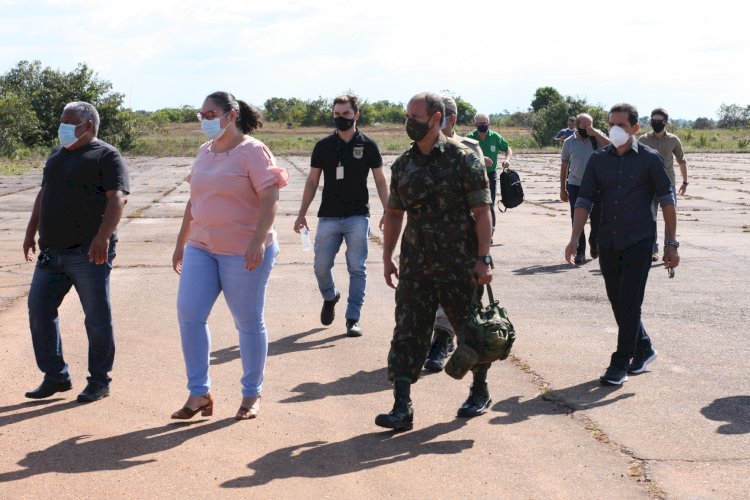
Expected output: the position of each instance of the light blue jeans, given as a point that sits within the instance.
(328, 237)
(205, 275)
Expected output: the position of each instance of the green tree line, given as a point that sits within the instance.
(32, 98)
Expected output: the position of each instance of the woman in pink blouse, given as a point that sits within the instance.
(227, 244)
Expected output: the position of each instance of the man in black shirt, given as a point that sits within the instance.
(626, 175)
(345, 158)
(84, 190)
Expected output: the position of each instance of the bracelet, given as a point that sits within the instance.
(684, 183)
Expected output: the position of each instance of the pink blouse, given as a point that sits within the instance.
(224, 195)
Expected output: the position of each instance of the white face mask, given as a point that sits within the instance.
(212, 128)
(618, 136)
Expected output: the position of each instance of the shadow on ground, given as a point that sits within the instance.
(556, 402)
(79, 454)
(322, 459)
(735, 410)
(361, 382)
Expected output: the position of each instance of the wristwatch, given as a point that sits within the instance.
(487, 259)
(673, 243)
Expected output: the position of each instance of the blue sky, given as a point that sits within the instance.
(688, 56)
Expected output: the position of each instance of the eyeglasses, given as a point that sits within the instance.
(210, 115)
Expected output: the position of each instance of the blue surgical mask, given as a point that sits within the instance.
(66, 134)
(212, 128)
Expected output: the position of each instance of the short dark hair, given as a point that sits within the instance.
(248, 118)
(353, 100)
(660, 111)
(631, 110)
(433, 101)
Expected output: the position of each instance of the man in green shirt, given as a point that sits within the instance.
(491, 143)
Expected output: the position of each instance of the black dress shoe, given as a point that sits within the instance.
(93, 392)
(48, 388)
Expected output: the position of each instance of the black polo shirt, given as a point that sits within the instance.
(626, 186)
(74, 184)
(347, 196)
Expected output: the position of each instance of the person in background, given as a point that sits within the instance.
(227, 244)
(669, 147)
(576, 151)
(492, 144)
(564, 133)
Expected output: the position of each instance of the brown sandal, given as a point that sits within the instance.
(205, 410)
(250, 411)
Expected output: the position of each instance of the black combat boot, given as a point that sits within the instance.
(479, 396)
(401, 416)
(442, 345)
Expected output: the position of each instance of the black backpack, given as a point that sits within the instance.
(511, 191)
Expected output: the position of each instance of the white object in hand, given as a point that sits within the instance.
(304, 234)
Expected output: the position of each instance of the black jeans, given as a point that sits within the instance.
(492, 176)
(625, 274)
(595, 216)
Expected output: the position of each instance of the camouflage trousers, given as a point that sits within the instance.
(416, 303)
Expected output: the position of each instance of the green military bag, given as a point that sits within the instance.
(486, 336)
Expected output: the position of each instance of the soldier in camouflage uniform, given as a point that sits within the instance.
(444, 250)
(444, 335)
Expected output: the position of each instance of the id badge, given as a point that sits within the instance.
(339, 172)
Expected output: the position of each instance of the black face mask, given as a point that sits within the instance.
(343, 123)
(417, 130)
(483, 128)
(658, 125)
(582, 132)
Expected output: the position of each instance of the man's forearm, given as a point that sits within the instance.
(393, 221)
(112, 215)
(308, 195)
(670, 221)
(33, 225)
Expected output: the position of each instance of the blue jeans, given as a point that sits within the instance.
(55, 273)
(328, 237)
(492, 177)
(595, 216)
(625, 274)
(205, 275)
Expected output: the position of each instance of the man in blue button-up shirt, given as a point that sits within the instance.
(626, 175)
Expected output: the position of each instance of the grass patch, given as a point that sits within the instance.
(19, 167)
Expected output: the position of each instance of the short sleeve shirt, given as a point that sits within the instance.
(669, 147)
(224, 195)
(345, 191)
(576, 151)
(74, 187)
(491, 146)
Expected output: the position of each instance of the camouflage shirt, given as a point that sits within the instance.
(438, 191)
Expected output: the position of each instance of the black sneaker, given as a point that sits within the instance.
(614, 376)
(352, 328)
(642, 360)
(580, 258)
(327, 313)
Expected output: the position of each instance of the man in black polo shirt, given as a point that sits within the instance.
(626, 175)
(84, 189)
(345, 159)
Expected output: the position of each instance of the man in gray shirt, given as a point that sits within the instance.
(575, 154)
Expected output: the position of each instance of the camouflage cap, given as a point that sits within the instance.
(450, 106)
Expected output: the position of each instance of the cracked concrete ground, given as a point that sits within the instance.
(681, 430)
